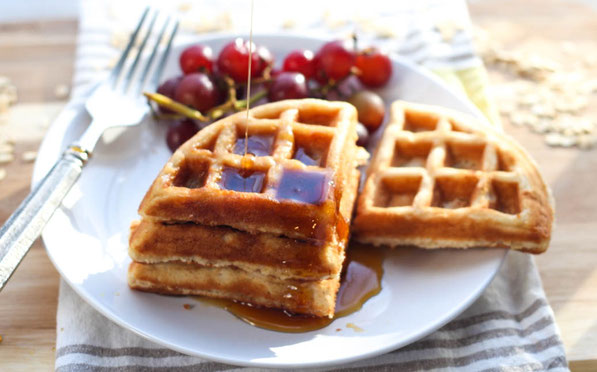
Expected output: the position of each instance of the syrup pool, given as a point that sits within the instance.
(361, 280)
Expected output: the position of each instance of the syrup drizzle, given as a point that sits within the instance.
(361, 280)
(244, 163)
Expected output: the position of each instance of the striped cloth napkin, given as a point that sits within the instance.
(509, 328)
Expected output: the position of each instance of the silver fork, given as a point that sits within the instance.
(116, 102)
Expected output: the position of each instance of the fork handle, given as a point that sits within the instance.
(26, 223)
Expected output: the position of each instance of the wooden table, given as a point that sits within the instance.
(38, 57)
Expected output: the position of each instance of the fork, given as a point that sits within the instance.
(116, 102)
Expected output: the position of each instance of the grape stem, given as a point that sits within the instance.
(175, 106)
(213, 114)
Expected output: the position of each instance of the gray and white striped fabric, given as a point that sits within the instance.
(509, 328)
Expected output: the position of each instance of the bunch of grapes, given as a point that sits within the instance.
(213, 86)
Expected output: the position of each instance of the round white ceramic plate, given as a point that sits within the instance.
(87, 242)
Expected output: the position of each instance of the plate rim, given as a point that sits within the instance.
(58, 130)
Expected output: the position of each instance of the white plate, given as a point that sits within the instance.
(87, 242)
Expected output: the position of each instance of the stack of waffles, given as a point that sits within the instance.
(269, 228)
(442, 179)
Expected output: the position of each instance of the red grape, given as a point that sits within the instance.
(197, 90)
(288, 85)
(266, 59)
(234, 60)
(375, 67)
(370, 107)
(300, 61)
(180, 132)
(363, 134)
(168, 89)
(197, 58)
(336, 58)
(275, 72)
(319, 75)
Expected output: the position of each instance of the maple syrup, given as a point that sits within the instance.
(242, 180)
(256, 144)
(306, 158)
(303, 186)
(361, 280)
(244, 163)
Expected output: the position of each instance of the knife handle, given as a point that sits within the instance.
(26, 223)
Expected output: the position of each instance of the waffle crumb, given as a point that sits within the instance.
(354, 327)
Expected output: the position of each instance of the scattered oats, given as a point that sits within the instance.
(585, 126)
(29, 156)
(586, 141)
(520, 118)
(211, 23)
(6, 158)
(185, 7)
(541, 126)
(562, 123)
(6, 148)
(61, 91)
(556, 139)
(588, 87)
(385, 32)
(571, 104)
(2, 174)
(530, 99)
(507, 107)
(8, 94)
(543, 111)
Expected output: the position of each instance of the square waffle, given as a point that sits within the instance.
(303, 153)
(220, 246)
(213, 226)
(442, 179)
(313, 297)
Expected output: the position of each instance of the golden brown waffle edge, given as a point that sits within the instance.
(440, 178)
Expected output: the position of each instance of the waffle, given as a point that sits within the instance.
(304, 150)
(221, 246)
(315, 297)
(214, 224)
(442, 179)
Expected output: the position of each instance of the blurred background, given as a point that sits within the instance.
(541, 61)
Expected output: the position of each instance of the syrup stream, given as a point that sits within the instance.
(249, 83)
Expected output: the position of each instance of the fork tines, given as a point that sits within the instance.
(138, 72)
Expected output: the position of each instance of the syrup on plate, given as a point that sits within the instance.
(361, 280)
